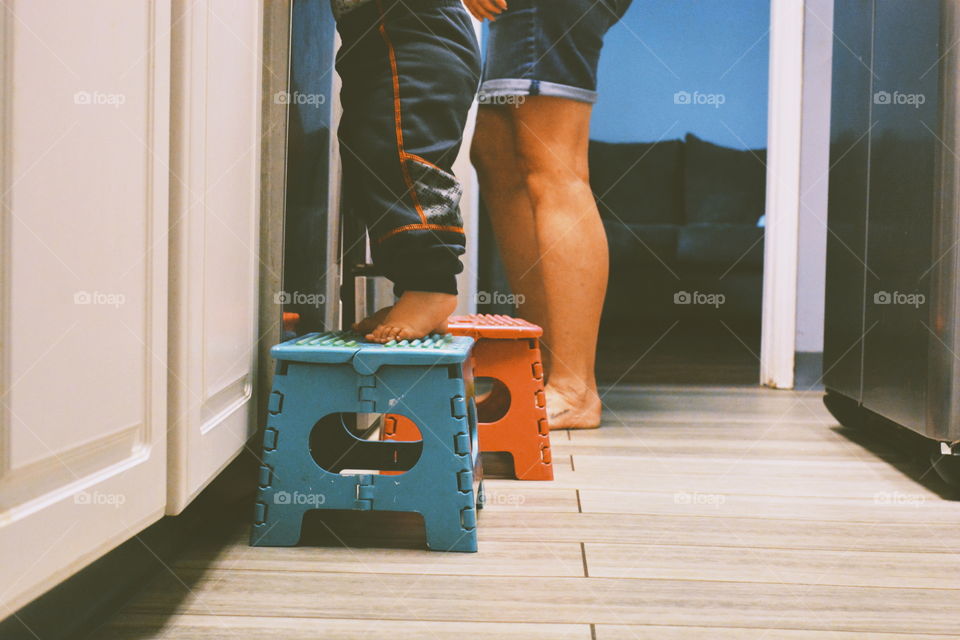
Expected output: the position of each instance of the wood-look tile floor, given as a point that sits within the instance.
(695, 512)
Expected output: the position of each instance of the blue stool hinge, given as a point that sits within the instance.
(259, 513)
(367, 393)
(265, 477)
(364, 501)
(275, 404)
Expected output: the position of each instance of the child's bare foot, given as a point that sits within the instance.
(416, 314)
(371, 322)
(572, 409)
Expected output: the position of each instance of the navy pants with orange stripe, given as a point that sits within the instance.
(410, 70)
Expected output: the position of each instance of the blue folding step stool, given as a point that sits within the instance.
(306, 444)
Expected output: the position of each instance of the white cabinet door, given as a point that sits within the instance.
(214, 229)
(84, 98)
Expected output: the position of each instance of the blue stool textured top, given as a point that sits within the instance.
(306, 444)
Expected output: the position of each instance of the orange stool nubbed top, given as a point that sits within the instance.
(485, 325)
(507, 350)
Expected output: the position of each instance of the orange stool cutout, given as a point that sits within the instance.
(508, 351)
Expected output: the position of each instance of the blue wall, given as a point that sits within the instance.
(715, 50)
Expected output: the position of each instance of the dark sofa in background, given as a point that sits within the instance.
(680, 216)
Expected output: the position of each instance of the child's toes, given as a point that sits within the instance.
(407, 333)
(383, 333)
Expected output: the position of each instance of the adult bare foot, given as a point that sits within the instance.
(371, 322)
(416, 314)
(572, 409)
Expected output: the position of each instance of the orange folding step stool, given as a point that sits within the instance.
(507, 350)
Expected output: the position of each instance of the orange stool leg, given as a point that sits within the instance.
(522, 431)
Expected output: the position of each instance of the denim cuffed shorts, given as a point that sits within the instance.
(547, 48)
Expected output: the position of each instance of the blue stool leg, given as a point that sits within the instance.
(441, 485)
(448, 530)
(291, 483)
(451, 522)
(282, 530)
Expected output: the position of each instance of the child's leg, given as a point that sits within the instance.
(410, 70)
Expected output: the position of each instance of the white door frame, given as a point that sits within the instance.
(778, 337)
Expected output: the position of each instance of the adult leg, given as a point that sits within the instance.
(504, 192)
(551, 142)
